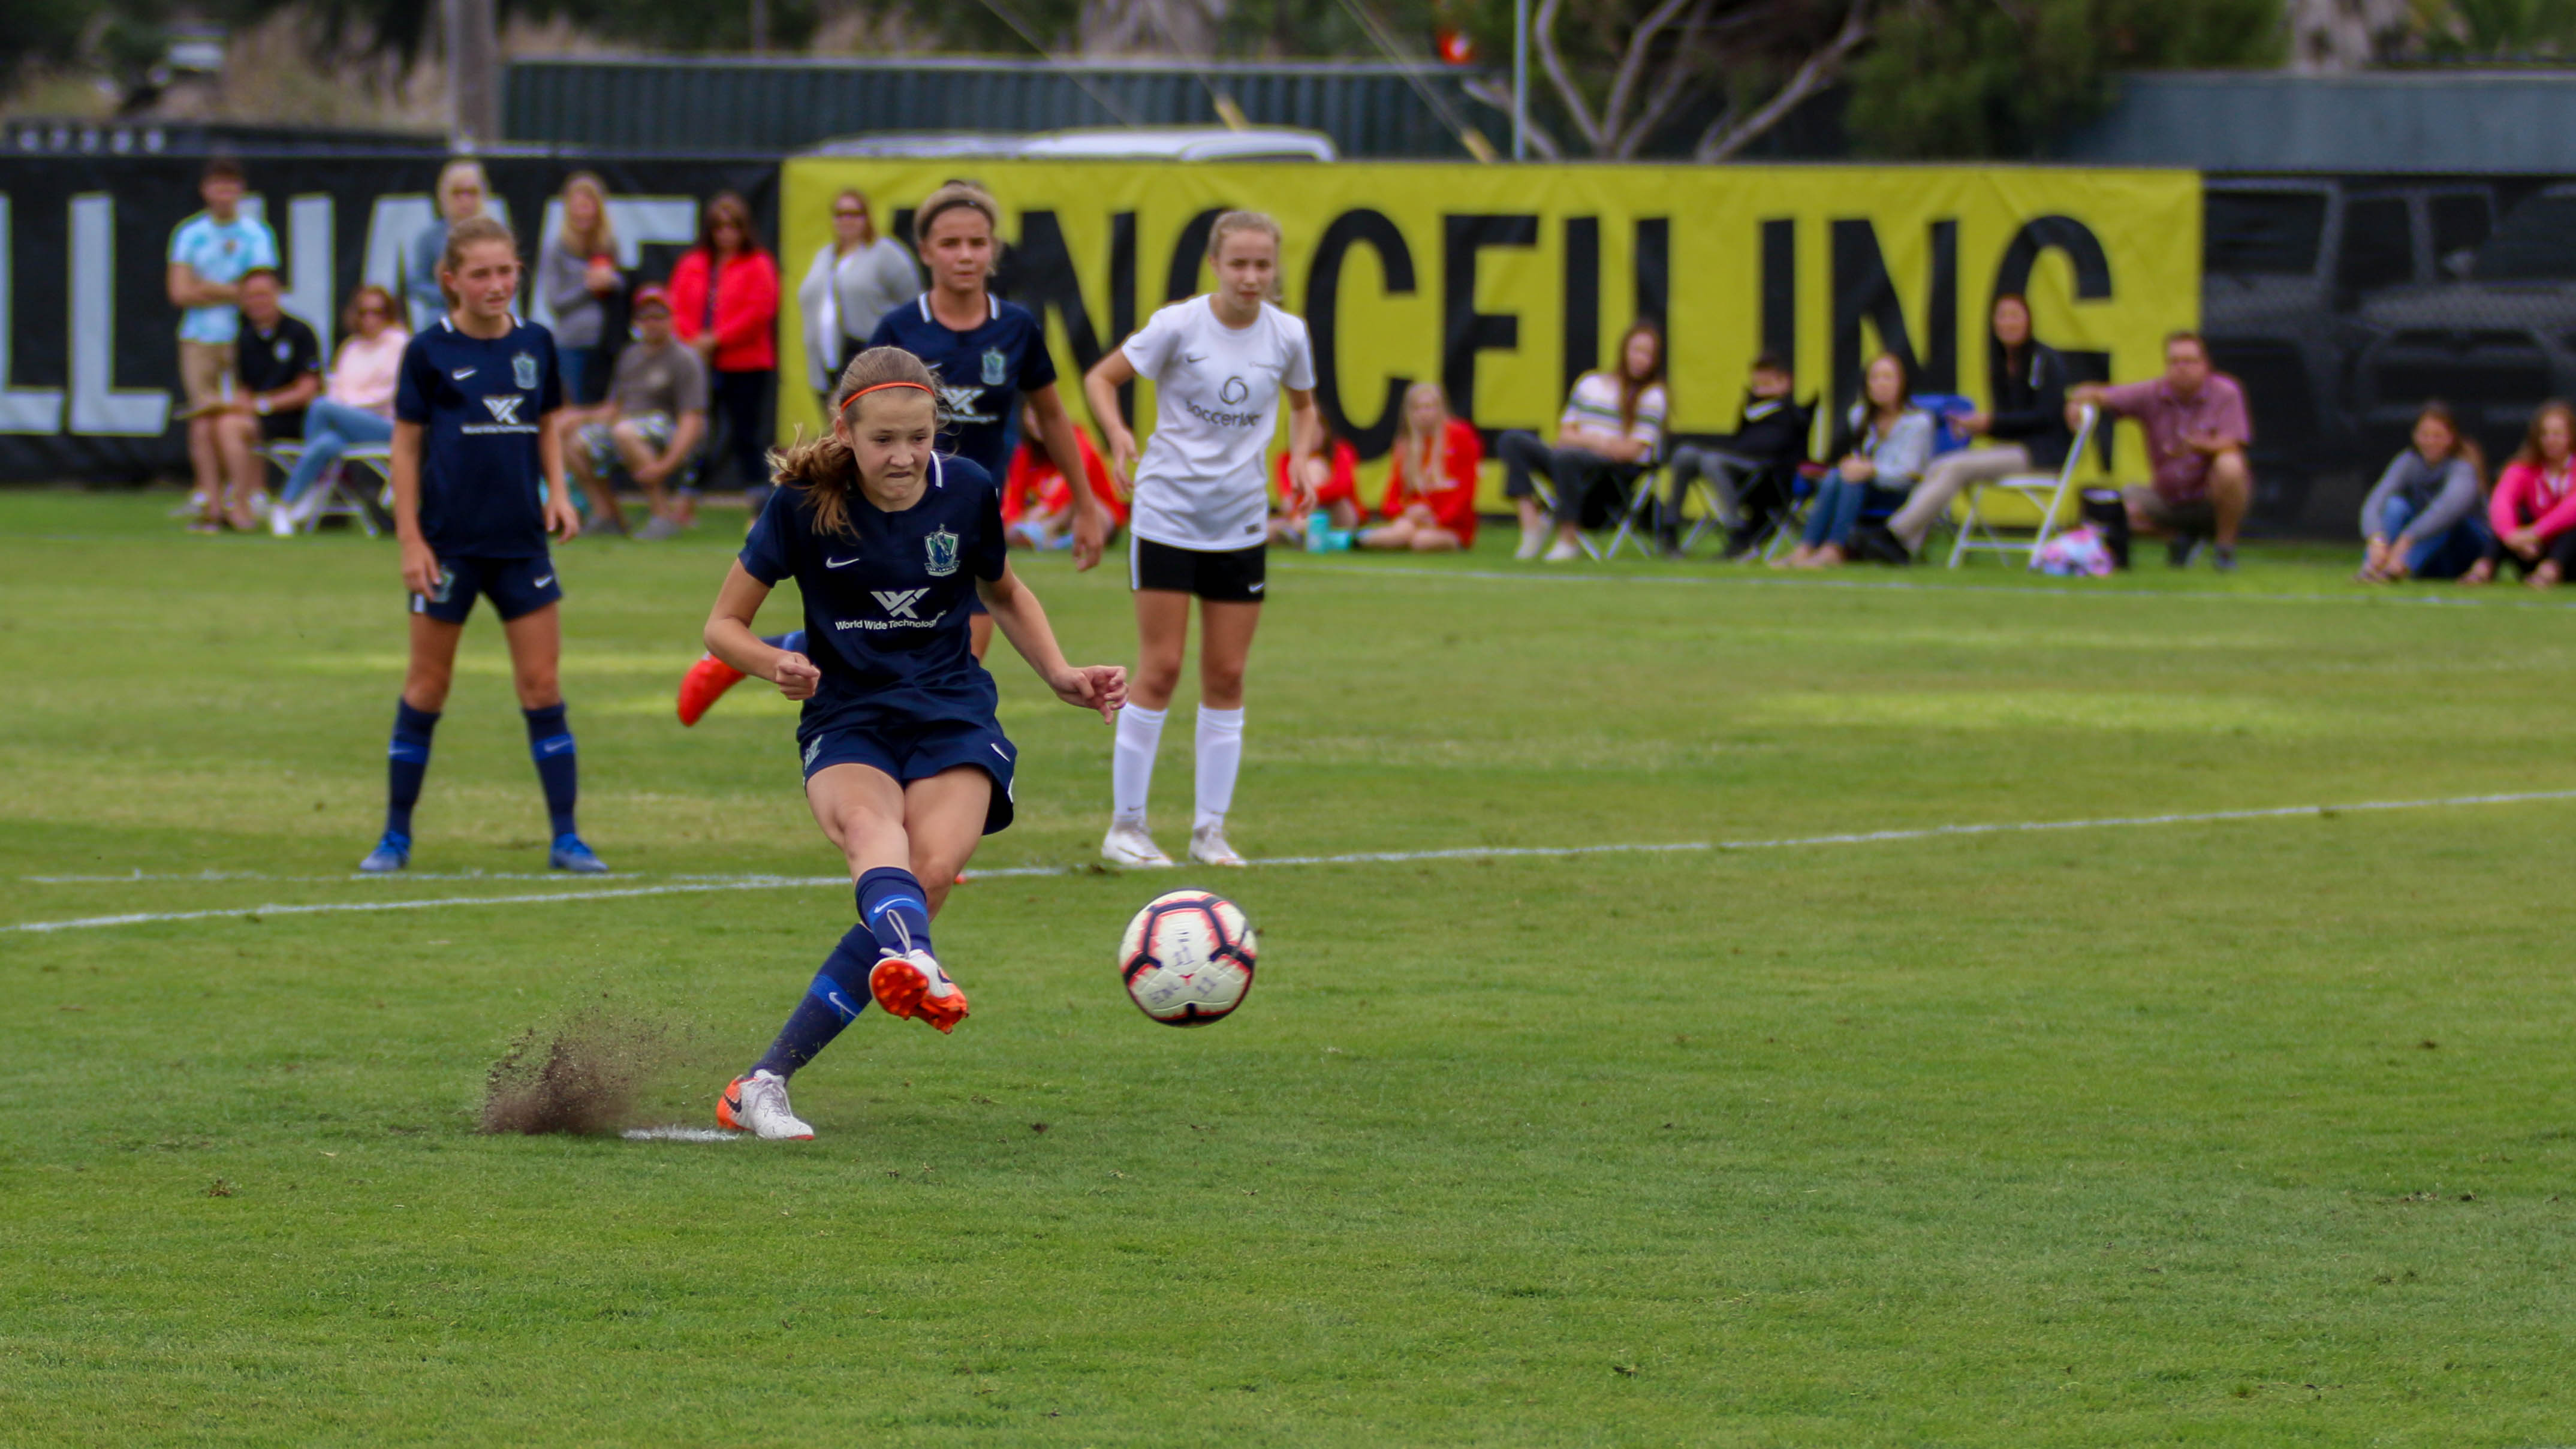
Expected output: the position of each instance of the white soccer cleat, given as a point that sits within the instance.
(1208, 847)
(757, 1104)
(913, 985)
(1533, 542)
(1130, 846)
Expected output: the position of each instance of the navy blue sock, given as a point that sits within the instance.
(793, 641)
(838, 994)
(406, 763)
(550, 745)
(893, 905)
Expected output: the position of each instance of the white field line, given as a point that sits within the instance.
(2061, 591)
(1480, 852)
(679, 1134)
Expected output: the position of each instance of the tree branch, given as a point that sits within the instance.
(1722, 140)
(1499, 96)
(1623, 89)
(1665, 96)
(1543, 39)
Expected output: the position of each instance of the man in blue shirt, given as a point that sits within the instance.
(209, 254)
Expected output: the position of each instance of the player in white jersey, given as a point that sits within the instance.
(1199, 527)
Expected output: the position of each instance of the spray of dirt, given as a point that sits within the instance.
(583, 1076)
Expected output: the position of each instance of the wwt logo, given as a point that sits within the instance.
(898, 602)
(504, 407)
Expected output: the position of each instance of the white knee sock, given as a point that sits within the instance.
(1220, 742)
(1131, 764)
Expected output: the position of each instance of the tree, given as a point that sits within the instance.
(1622, 74)
(1978, 78)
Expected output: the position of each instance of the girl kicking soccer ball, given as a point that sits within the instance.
(478, 483)
(1218, 364)
(905, 766)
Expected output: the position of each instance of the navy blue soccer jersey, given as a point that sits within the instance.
(483, 403)
(982, 374)
(885, 602)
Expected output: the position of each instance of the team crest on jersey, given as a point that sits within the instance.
(523, 369)
(997, 368)
(942, 546)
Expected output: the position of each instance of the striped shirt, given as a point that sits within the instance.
(1594, 403)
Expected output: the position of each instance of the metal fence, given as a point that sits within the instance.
(741, 106)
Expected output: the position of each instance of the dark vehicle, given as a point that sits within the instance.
(2287, 265)
(2494, 342)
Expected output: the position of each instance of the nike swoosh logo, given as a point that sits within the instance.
(838, 563)
(541, 583)
(1254, 588)
(554, 747)
(462, 373)
(1185, 357)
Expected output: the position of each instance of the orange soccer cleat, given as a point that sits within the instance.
(913, 986)
(703, 685)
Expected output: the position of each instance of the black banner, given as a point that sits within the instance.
(89, 380)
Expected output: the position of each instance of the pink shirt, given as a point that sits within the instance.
(2181, 472)
(364, 376)
(2529, 495)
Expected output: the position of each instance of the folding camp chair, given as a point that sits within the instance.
(1639, 510)
(1622, 513)
(2043, 491)
(359, 487)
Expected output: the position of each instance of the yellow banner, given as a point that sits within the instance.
(1508, 282)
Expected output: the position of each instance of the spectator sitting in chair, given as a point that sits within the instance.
(356, 407)
(2028, 423)
(280, 364)
(1887, 441)
(1431, 480)
(2424, 521)
(2533, 512)
(654, 419)
(1336, 513)
(1749, 472)
(1611, 430)
(2197, 433)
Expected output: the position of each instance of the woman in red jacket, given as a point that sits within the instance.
(732, 325)
(2534, 507)
(1337, 499)
(1037, 503)
(1431, 489)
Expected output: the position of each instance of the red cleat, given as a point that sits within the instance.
(704, 684)
(914, 986)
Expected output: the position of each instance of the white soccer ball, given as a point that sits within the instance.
(1187, 958)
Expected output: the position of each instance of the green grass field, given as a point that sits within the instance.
(2250, 1132)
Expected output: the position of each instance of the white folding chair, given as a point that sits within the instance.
(1641, 505)
(2045, 492)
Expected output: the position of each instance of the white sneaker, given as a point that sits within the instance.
(757, 1104)
(1563, 550)
(1208, 847)
(1130, 846)
(1532, 541)
(281, 521)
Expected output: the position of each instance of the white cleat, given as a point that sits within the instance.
(1208, 847)
(1130, 846)
(757, 1104)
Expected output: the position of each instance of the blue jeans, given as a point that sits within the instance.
(329, 430)
(1837, 510)
(2446, 555)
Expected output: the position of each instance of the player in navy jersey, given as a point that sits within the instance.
(989, 355)
(478, 483)
(906, 768)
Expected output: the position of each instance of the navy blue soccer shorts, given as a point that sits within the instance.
(910, 754)
(516, 586)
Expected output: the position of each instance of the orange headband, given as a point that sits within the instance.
(879, 387)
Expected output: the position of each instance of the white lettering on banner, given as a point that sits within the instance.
(312, 265)
(22, 409)
(98, 404)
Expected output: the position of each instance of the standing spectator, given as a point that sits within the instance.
(279, 362)
(2423, 520)
(856, 278)
(356, 406)
(2197, 433)
(724, 304)
(650, 430)
(1610, 432)
(210, 252)
(2028, 424)
(463, 193)
(1431, 482)
(1751, 472)
(578, 277)
(2533, 512)
(1888, 440)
